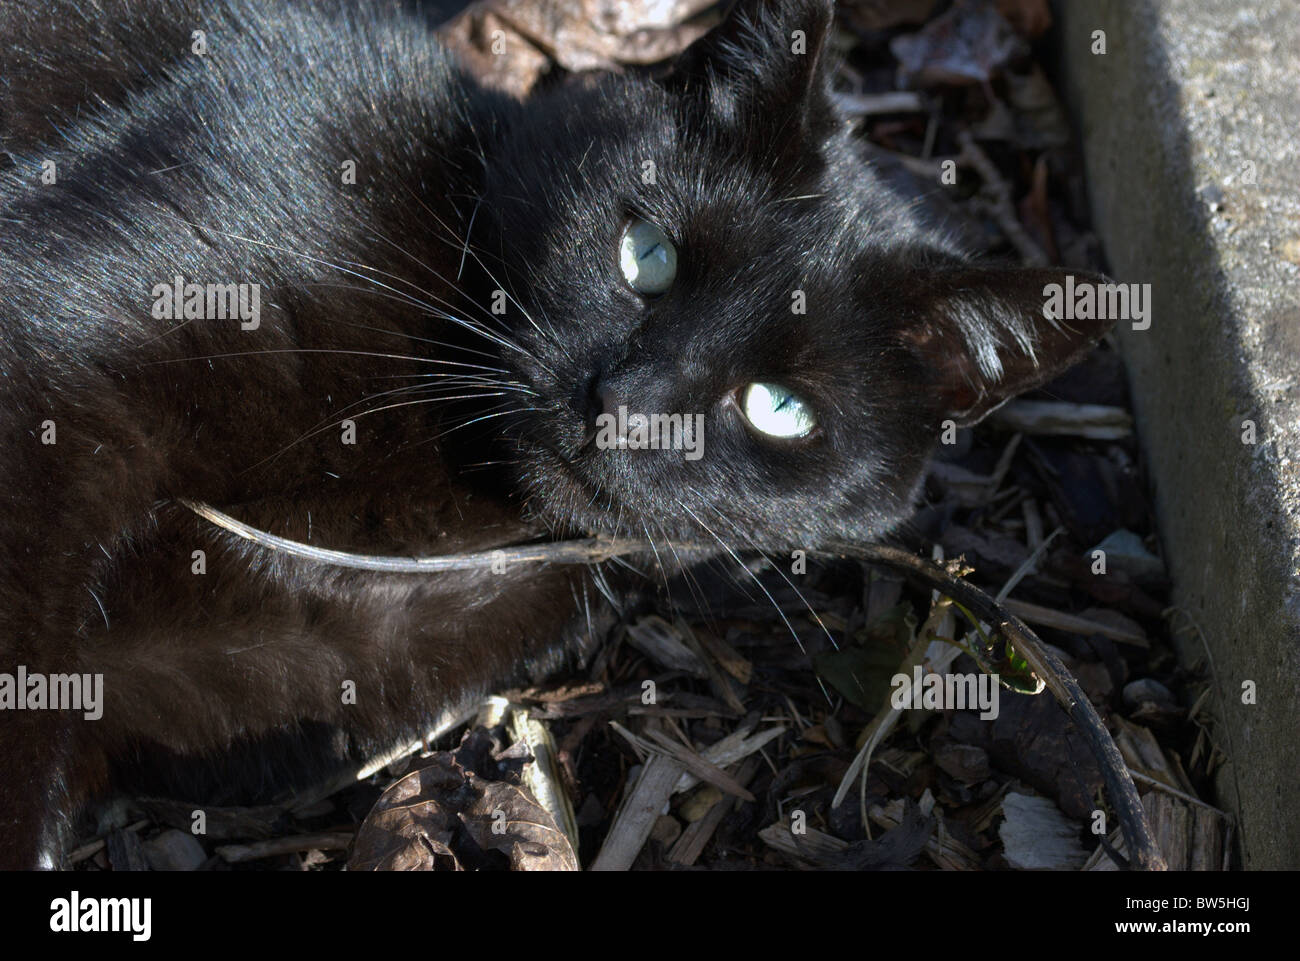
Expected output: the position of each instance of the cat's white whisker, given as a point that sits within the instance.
(723, 544)
(469, 231)
(353, 416)
(401, 298)
(548, 334)
(406, 253)
(499, 413)
(346, 266)
(454, 382)
(310, 350)
(777, 567)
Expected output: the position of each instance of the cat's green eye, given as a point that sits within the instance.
(776, 411)
(647, 257)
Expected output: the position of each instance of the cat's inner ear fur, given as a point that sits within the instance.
(766, 60)
(982, 334)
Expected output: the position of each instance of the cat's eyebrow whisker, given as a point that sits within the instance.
(463, 245)
(786, 200)
(469, 232)
(406, 253)
(723, 544)
(547, 334)
(476, 248)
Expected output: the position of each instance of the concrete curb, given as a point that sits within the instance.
(1191, 102)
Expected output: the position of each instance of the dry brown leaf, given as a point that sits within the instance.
(444, 818)
(511, 44)
(1040, 119)
(968, 44)
(1035, 211)
(883, 14)
(1031, 18)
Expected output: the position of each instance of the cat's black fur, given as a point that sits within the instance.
(226, 168)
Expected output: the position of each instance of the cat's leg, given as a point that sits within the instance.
(70, 487)
(49, 771)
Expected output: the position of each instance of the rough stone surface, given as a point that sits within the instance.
(1191, 130)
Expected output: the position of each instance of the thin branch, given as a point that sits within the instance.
(590, 551)
(1141, 844)
(1002, 204)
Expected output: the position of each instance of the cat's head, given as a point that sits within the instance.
(712, 245)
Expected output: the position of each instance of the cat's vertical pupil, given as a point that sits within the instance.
(776, 411)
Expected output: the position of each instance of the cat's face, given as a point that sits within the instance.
(712, 248)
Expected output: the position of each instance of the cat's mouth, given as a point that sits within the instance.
(579, 475)
(600, 478)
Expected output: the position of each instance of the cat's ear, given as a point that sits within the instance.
(766, 59)
(987, 333)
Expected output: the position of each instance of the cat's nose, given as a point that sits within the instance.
(600, 395)
(585, 399)
(615, 396)
(611, 398)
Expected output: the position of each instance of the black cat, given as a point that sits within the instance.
(434, 315)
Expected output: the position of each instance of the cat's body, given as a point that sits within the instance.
(256, 644)
(230, 167)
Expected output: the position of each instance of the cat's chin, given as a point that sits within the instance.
(557, 493)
